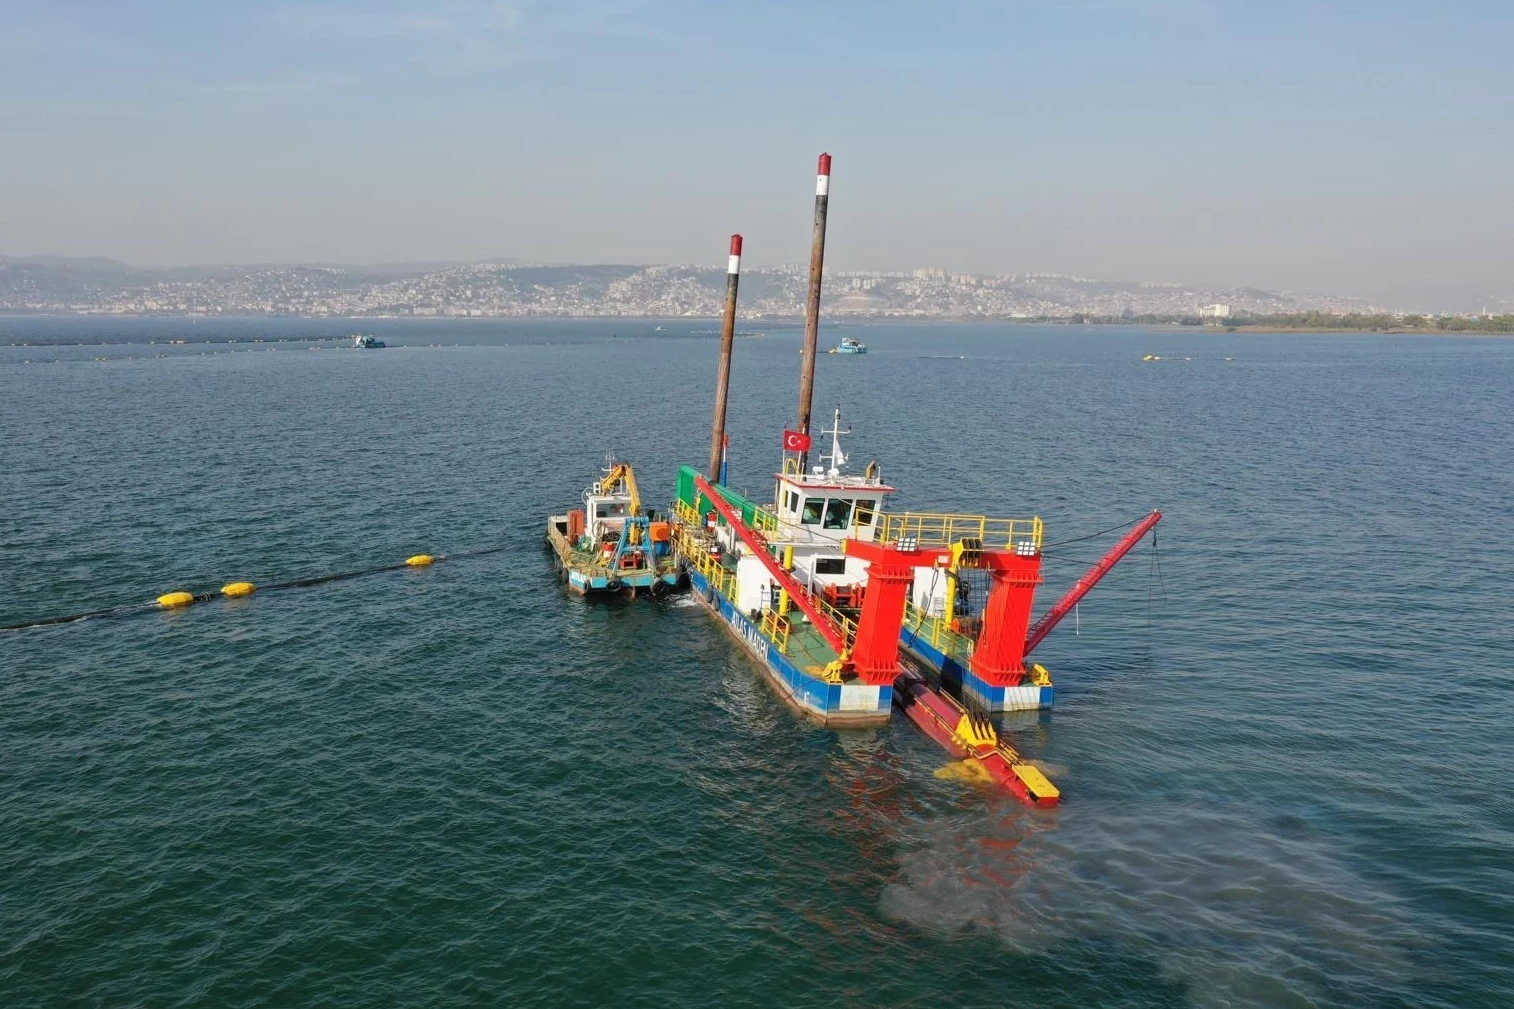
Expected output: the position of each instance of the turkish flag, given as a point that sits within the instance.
(795, 441)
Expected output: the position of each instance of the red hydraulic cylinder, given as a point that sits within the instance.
(999, 656)
(1084, 585)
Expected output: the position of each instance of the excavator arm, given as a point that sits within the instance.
(621, 472)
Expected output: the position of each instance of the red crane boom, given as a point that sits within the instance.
(1084, 585)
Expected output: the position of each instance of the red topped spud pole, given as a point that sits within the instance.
(723, 376)
(812, 308)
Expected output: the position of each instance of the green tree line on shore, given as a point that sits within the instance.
(1382, 321)
(1364, 321)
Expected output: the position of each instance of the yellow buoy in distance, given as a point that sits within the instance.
(175, 599)
(420, 560)
(235, 589)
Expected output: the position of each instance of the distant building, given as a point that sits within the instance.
(1214, 312)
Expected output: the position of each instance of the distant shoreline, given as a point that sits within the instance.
(1340, 330)
(788, 322)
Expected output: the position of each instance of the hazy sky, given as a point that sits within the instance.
(1353, 146)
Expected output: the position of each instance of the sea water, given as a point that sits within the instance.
(1283, 736)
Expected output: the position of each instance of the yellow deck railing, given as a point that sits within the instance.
(764, 520)
(694, 549)
(776, 627)
(922, 626)
(847, 624)
(939, 530)
(696, 554)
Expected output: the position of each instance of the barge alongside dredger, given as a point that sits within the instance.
(852, 610)
(611, 546)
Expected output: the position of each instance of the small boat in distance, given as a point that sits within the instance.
(610, 546)
(849, 345)
(361, 342)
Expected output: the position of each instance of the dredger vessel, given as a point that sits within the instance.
(852, 610)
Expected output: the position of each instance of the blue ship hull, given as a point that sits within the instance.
(837, 705)
(580, 581)
(1025, 697)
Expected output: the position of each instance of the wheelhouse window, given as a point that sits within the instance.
(865, 513)
(838, 511)
(813, 508)
(830, 565)
(791, 503)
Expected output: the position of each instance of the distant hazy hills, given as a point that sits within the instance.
(102, 265)
(94, 264)
(508, 287)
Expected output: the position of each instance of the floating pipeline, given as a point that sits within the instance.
(240, 590)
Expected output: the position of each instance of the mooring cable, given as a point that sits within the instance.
(1101, 532)
(232, 590)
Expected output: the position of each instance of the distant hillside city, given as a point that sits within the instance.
(513, 289)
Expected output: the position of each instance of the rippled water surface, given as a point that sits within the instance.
(1285, 752)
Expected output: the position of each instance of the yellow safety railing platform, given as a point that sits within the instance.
(922, 626)
(775, 627)
(848, 625)
(696, 554)
(695, 551)
(763, 519)
(930, 529)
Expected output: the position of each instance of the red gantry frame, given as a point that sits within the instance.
(998, 657)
